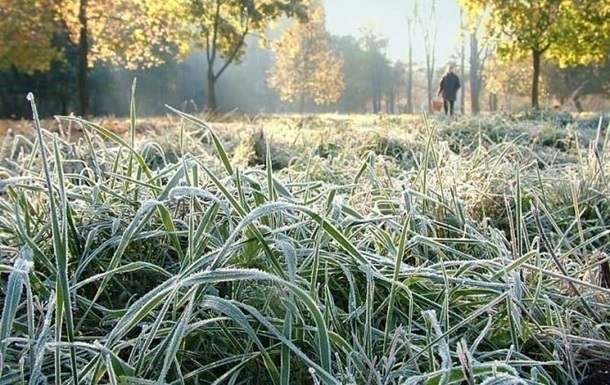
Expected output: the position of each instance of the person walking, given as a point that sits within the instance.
(448, 88)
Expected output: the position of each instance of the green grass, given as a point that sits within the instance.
(351, 250)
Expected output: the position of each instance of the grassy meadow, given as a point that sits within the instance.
(324, 250)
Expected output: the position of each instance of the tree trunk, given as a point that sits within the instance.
(429, 46)
(578, 104)
(83, 62)
(462, 70)
(212, 103)
(536, 55)
(429, 79)
(475, 78)
(493, 102)
(410, 73)
(302, 104)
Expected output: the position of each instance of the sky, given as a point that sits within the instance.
(389, 18)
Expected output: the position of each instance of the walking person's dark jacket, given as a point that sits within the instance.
(449, 86)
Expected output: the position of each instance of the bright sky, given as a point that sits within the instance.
(389, 18)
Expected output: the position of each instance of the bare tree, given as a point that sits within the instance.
(410, 19)
(429, 30)
(462, 65)
(478, 57)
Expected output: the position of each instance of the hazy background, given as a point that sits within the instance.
(377, 79)
(389, 17)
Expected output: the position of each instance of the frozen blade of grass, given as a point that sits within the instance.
(59, 234)
(466, 361)
(515, 264)
(132, 126)
(114, 138)
(234, 371)
(247, 222)
(368, 314)
(62, 255)
(402, 244)
(359, 174)
(217, 143)
(455, 375)
(285, 352)
(239, 186)
(175, 337)
(322, 370)
(139, 310)
(504, 380)
(233, 361)
(92, 151)
(133, 184)
(228, 196)
(269, 170)
(279, 207)
(139, 221)
(114, 363)
(228, 275)
(170, 229)
(443, 346)
(153, 333)
(199, 239)
(232, 312)
(547, 244)
(180, 192)
(127, 268)
(465, 321)
(45, 336)
(18, 277)
(174, 181)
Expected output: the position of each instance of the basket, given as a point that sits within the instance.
(437, 104)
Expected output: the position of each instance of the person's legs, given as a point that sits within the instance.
(445, 105)
(451, 103)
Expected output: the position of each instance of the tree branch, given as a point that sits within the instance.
(231, 57)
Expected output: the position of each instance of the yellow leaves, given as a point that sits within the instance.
(26, 35)
(131, 33)
(512, 77)
(573, 32)
(305, 67)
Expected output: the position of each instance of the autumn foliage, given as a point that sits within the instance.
(305, 67)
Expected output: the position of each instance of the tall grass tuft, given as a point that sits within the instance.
(465, 254)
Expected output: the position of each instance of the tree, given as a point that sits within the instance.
(479, 53)
(394, 81)
(478, 58)
(410, 19)
(305, 67)
(569, 31)
(222, 27)
(429, 31)
(510, 79)
(569, 85)
(133, 33)
(26, 36)
(462, 65)
(355, 73)
(376, 64)
(129, 33)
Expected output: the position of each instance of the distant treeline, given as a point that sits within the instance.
(372, 82)
(179, 84)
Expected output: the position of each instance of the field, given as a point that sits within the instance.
(326, 249)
